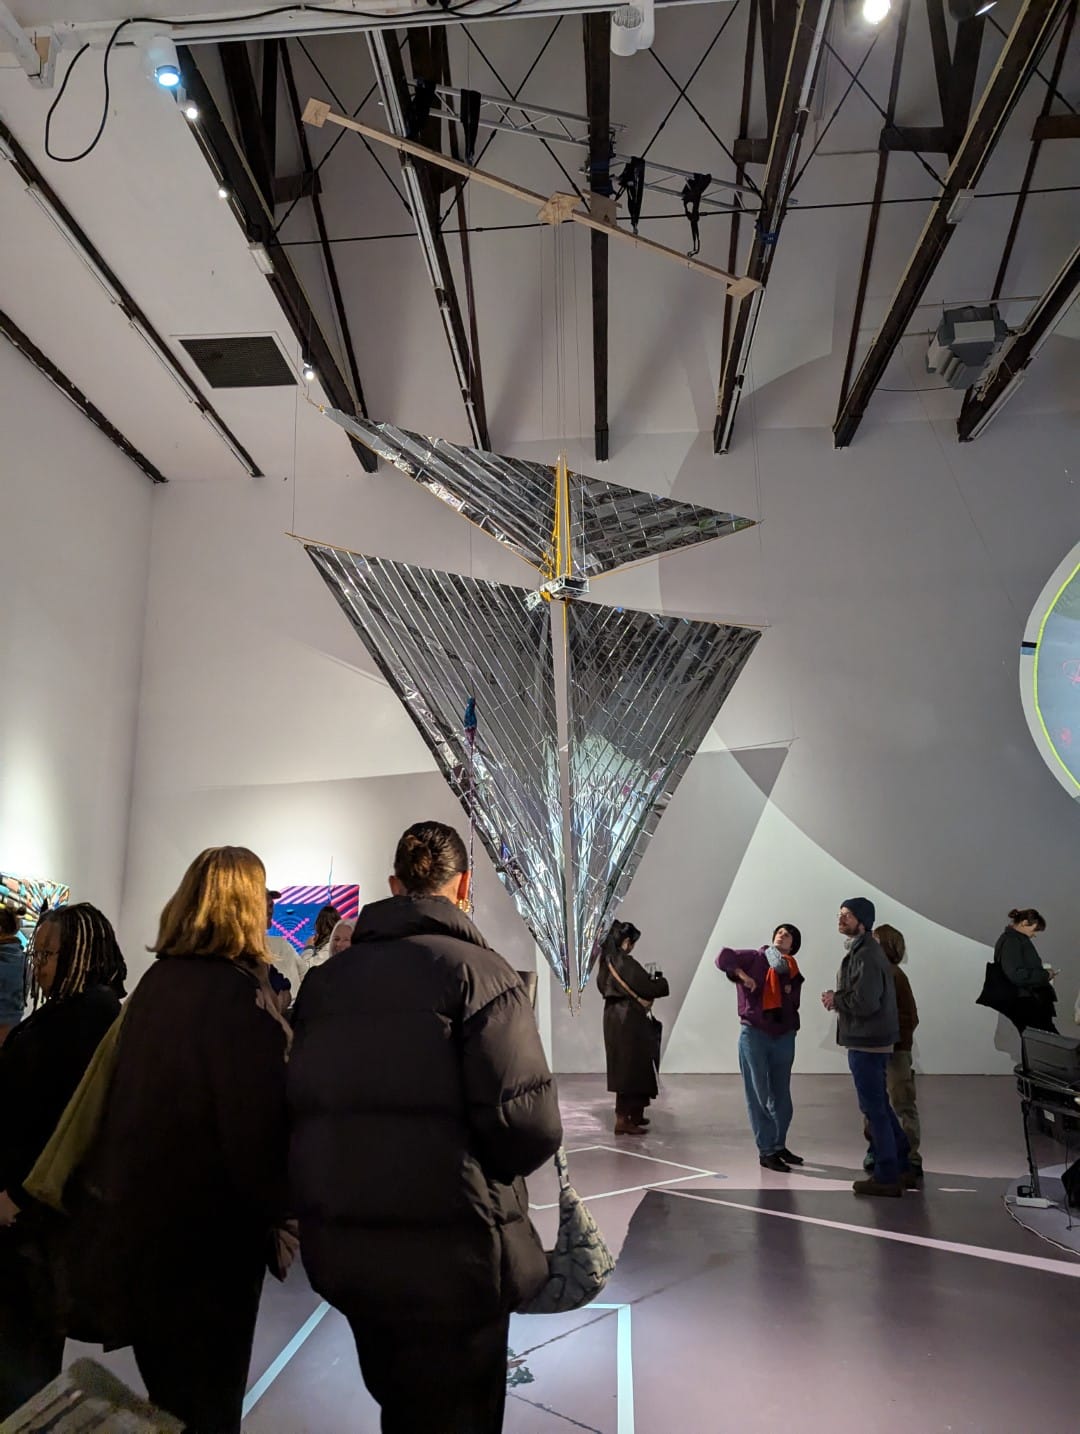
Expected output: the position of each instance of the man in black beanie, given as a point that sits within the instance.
(868, 1026)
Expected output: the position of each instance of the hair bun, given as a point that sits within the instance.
(429, 855)
(1014, 915)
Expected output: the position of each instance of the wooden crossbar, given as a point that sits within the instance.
(552, 209)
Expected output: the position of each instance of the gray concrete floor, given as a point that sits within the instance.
(747, 1301)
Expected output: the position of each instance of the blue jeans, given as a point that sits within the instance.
(765, 1062)
(887, 1139)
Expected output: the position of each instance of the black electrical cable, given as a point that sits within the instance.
(467, 7)
(706, 214)
(74, 158)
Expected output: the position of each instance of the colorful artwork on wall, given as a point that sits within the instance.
(30, 896)
(298, 906)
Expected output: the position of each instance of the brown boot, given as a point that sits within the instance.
(625, 1126)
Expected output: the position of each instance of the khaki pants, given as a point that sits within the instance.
(901, 1083)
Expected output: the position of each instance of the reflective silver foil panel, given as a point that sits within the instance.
(514, 501)
(439, 639)
(643, 691)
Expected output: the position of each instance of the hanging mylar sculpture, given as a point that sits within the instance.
(583, 718)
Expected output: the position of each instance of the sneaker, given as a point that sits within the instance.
(877, 1187)
(790, 1159)
(774, 1162)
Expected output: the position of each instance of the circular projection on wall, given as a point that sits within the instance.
(1050, 673)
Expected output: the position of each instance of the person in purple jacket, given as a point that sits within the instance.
(769, 983)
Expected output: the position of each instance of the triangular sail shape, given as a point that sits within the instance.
(440, 639)
(513, 500)
(643, 691)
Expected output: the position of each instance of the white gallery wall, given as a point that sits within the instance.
(74, 550)
(875, 743)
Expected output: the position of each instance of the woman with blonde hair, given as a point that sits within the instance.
(187, 1180)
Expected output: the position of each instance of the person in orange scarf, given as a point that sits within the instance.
(770, 984)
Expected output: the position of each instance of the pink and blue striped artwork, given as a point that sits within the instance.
(298, 906)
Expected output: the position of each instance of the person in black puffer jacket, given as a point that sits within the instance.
(419, 1098)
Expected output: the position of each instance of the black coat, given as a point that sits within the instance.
(188, 1174)
(419, 1097)
(41, 1062)
(631, 1036)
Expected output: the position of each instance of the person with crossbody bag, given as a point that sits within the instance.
(631, 1031)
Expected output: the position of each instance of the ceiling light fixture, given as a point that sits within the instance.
(164, 62)
(308, 372)
(191, 111)
(222, 192)
(875, 11)
(633, 27)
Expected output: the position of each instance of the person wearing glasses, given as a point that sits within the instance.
(77, 982)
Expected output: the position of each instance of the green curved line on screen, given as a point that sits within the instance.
(1038, 710)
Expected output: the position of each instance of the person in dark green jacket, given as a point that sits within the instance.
(1015, 953)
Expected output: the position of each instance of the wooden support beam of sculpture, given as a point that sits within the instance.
(318, 113)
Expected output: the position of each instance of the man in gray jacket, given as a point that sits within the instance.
(868, 1026)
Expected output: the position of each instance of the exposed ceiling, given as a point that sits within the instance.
(147, 198)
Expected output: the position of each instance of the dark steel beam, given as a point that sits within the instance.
(423, 195)
(785, 16)
(257, 222)
(320, 224)
(597, 38)
(983, 404)
(751, 151)
(963, 74)
(939, 44)
(441, 63)
(800, 73)
(875, 203)
(1036, 150)
(1057, 127)
(270, 52)
(240, 81)
(740, 168)
(31, 176)
(921, 139)
(60, 381)
(1034, 27)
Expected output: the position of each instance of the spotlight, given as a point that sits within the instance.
(875, 11)
(191, 111)
(633, 27)
(969, 9)
(308, 372)
(222, 192)
(164, 62)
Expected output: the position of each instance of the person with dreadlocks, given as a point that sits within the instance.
(77, 982)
